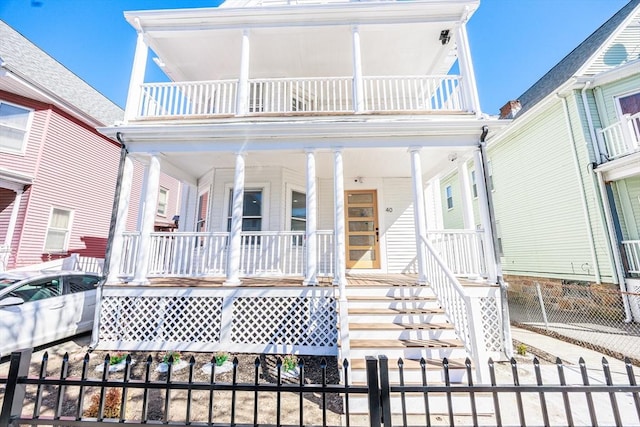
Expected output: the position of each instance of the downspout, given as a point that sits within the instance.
(613, 245)
(107, 256)
(583, 195)
(504, 304)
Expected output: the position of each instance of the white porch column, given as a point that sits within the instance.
(311, 273)
(235, 238)
(358, 84)
(434, 205)
(13, 219)
(339, 275)
(121, 221)
(137, 78)
(243, 82)
(148, 219)
(465, 192)
(469, 86)
(485, 217)
(419, 216)
(188, 207)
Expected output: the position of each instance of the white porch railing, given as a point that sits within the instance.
(461, 250)
(184, 254)
(632, 254)
(476, 318)
(326, 95)
(622, 137)
(412, 93)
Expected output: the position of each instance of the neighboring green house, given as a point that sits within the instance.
(566, 171)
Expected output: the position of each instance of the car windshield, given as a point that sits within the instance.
(5, 282)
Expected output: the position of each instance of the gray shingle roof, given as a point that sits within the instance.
(571, 63)
(29, 62)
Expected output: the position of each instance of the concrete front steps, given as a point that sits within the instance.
(402, 321)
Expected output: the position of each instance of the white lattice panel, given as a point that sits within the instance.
(491, 323)
(162, 319)
(303, 321)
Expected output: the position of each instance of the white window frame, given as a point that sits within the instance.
(25, 136)
(67, 231)
(474, 184)
(617, 102)
(492, 187)
(448, 195)
(253, 186)
(165, 204)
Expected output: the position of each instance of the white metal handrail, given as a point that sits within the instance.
(463, 251)
(632, 254)
(622, 137)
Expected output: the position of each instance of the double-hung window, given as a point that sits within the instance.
(163, 198)
(251, 210)
(14, 122)
(449, 194)
(57, 239)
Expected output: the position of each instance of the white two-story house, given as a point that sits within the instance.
(304, 135)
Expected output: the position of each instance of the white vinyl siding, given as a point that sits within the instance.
(538, 200)
(398, 225)
(14, 123)
(624, 48)
(58, 230)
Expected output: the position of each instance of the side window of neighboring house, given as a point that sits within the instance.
(630, 105)
(474, 184)
(490, 176)
(163, 198)
(449, 193)
(251, 211)
(58, 230)
(14, 123)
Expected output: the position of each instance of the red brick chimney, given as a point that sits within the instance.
(510, 109)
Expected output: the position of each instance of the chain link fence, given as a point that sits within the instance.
(586, 314)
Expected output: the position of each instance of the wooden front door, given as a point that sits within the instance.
(363, 248)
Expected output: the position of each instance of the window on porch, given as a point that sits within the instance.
(251, 210)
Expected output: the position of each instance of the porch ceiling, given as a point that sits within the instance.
(364, 163)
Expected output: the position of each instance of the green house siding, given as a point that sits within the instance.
(451, 218)
(606, 96)
(625, 48)
(627, 199)
(537, 198)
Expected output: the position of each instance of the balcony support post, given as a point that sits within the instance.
(132, 108)
(235, 237)
(149, 209)
(188, 207)
(339, 275)
(419, 214)
(115, 260)
(13, 218)
(485, 216)
(243, 83)
(311, 273)
(469, 86)
(358, 84)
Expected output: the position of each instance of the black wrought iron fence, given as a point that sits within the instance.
(549, 394)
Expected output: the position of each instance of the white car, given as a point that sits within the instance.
(38, 307)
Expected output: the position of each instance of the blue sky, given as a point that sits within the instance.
(513, 42)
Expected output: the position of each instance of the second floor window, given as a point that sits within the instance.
(251, 210)
(474, 184)
(449, 193)
(163, 199)
(14, 122)
(58, 231)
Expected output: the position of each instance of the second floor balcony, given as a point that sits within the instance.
(621, 138)
(302, 96)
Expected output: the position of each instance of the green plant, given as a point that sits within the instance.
(221, 357)
(112, 401)
(117, 358)
(289, 362)
(169, 354)
(521, 349)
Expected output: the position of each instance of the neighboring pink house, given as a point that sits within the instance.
(57, 173)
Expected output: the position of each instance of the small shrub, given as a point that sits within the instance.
(221, 357)
(111, 404)
(289, 362)
(169, 354)
(521, 349)
(117, 358)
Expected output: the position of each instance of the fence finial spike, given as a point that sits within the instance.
(86, 357)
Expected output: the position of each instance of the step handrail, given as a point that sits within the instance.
(455, 301)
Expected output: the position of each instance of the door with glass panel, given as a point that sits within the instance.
(363, 249)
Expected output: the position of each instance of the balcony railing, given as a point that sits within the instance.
(622, 137)
(632, 256)
(463, 251)
(290, 96)
(265, 253)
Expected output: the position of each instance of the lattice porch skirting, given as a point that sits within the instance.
(239, 320)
